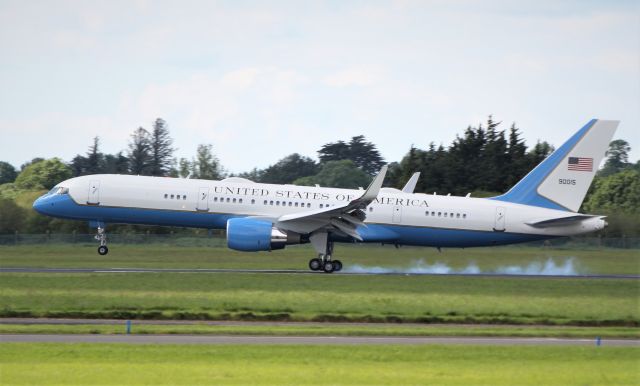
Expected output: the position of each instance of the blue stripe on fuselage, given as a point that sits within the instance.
(442, 237)
(63, 206)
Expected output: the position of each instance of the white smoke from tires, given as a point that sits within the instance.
(550, 267)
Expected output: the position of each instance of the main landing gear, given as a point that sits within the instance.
(102, 237)
(324, 247)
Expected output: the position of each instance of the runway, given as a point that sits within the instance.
(292, 272)
(308, 340)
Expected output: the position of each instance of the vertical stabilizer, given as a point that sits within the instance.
(561, 181)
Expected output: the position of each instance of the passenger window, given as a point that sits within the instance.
(296, 205)
(457, 215)
(464, 215)
(445, 214)
(172, 196)
(270, 202)
(166, 195)
(234, 200)
(433, 213)
(228, 199)
(321, 205)
(265, 202)
(439, 214)
(184, 197)
(308, 205)
(290, 203)
(253, 201)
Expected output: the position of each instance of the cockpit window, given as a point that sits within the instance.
(59, 190)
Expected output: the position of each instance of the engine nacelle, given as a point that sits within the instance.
(251, 235)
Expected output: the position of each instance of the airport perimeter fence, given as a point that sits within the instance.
(217, 239)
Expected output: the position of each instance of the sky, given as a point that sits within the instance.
(261, 80)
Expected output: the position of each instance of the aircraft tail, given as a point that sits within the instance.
(561, 181)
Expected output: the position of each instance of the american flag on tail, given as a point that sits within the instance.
(580, 164)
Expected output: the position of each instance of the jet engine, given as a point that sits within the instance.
(251, 235)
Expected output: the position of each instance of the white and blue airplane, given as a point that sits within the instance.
(266, 217)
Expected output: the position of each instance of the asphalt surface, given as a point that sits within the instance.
(288, 271)
(308, 340)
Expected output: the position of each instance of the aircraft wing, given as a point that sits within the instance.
(344, 218)
(558, 221)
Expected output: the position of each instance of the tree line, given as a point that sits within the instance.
(484, 160)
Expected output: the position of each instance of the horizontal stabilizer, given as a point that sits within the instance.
(558, 221)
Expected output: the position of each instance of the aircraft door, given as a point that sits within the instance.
(203, 199)
(94, 192)
(499, 223)
(397, 214)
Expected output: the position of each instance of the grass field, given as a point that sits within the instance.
(585, 261)
(425, 299)
(119, 364)
(329, 329)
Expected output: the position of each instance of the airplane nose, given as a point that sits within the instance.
(40, 205)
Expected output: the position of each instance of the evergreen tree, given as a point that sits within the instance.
(7, 173)
(364, 154)
(617, 157)
(116, 164)
(206, 165)
(161, 152)
(495, 159)
(140, 153)
(94, 159)
(335, 151)
(184, 168)
(517, 164)
(289, 169)
(254, 175)
(540, 151)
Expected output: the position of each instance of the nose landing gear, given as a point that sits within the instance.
(102, 237)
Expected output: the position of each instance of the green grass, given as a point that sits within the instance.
(118, 364)
(425, 299)
(330, 329)
(586, 261)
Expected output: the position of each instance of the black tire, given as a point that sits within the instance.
(337, 265)
(103, 250)
(315, 264)
(328, 267)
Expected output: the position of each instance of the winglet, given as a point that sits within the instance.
(410, 186)
(372, 191)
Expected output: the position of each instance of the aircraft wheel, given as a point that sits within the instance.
(315, 264)
(329, 267)
(103, 250)
(337, 265)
